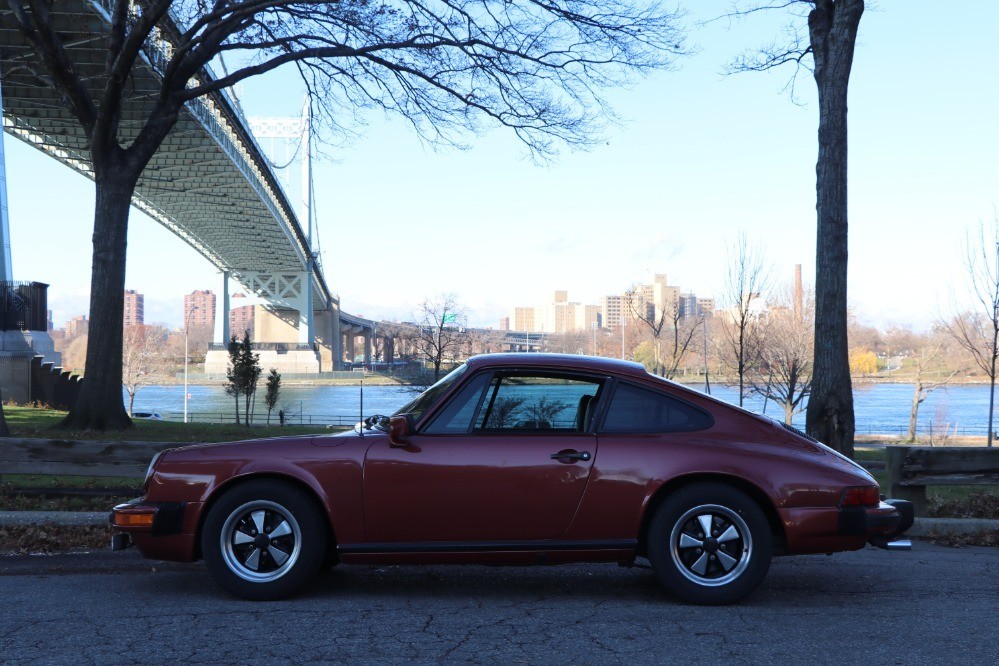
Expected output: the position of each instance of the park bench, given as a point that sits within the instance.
(912, 468)
(57, 457)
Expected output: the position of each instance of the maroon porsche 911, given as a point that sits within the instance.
(517, 459)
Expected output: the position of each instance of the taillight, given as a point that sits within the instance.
(861, 496)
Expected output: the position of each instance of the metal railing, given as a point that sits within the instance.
(268, 346)
(291, 419)
(24, 306)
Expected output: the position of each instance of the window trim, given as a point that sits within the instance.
(601, 416)
(601, 381)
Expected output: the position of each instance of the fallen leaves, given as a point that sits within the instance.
(25, 539)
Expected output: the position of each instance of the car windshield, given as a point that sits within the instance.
(425, 400)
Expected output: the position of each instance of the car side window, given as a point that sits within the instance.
(457, 416)
(530, 402)
(637, 410)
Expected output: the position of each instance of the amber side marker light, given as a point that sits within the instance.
(133, 519)
(861, 496)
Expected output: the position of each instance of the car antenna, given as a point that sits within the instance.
(361, 421)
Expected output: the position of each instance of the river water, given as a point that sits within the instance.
(880, 408)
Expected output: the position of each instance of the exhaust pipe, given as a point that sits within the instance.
(891, 543)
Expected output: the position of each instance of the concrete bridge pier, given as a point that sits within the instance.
(329, 338)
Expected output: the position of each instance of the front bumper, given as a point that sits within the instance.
(884, 525)
(156, 518)
(160, 530)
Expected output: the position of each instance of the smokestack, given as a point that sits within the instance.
(799, 297)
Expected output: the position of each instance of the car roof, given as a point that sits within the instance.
(559, 361)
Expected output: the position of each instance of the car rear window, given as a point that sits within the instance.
(638, 410)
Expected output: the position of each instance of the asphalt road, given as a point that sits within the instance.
(930, 605)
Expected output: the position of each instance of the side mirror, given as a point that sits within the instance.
(399, 431)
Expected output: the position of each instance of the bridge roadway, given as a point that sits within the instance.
(209, 183)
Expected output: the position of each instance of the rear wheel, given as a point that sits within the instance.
(264, 540)
(710, 544)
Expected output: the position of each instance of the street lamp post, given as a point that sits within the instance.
(623, 324)
(187, 326)
(707, 384)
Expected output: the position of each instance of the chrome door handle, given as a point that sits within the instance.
(571, 455)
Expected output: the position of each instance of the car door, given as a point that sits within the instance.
(507, 459)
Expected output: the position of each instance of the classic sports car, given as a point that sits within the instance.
(517, 459)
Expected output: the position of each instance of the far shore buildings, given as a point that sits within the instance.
(135, 314)
(647, 300)
(199, 312)
(199, 309)
(77, 326)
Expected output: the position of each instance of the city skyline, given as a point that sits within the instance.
(698, 158)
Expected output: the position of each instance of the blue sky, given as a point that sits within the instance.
(699, 158)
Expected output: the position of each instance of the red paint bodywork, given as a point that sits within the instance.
(491, 498)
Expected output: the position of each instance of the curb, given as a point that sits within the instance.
(74, 518)
(923, 526)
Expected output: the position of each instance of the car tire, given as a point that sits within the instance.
(264, 540)
(719, 567)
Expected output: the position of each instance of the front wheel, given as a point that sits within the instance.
(264, 540)
(710, 544)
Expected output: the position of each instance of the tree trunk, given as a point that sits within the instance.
(833, 31)
(914, 412)
(4, 428)
(99, 405)
(992, 394)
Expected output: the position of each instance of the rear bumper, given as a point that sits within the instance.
(882, 525)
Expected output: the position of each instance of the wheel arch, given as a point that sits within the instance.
(286, 479)
(753, 491)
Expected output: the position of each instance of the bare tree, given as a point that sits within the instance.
(784, 374)
(441, 333)
(925, 354)
(569, 342)
(667, 332)
(448, 66)
(832, 27)
(484, 341)
(142, 357)
(74, 353)
(747, 279)
(977, 331)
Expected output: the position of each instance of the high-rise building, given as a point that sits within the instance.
(77, 326)
(199, 309)
(241, 317)
(134, 308)
(558, 316)
(523, 319)
(612, 311)
(504, 324)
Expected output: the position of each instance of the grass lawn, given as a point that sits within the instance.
(43, 424)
